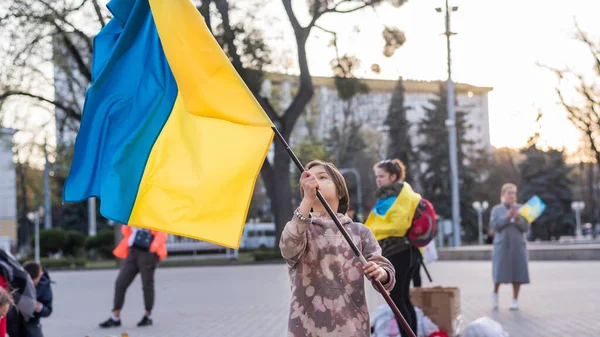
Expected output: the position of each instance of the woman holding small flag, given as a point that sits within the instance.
(509, 258)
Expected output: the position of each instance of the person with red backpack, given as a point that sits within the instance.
(402, 222)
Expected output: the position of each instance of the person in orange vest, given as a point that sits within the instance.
(142, 249)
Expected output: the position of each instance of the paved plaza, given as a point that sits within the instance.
(252, 301)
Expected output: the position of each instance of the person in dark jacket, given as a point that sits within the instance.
(43, 306)
(21, 287)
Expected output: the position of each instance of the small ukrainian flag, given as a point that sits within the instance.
(532, 209)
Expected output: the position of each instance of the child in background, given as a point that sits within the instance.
(43, 306)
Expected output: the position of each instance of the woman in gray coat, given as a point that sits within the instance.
(510, 253)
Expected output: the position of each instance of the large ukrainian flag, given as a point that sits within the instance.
(170, 139)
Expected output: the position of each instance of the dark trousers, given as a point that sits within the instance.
(405, 264)
(138, 261)
(417, 276)
(34, 329)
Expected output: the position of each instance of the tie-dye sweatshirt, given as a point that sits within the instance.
(328, 288)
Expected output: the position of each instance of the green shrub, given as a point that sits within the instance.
(51, 241)
(267, 255)
(102, 244)
(74, 244)
(80, 262)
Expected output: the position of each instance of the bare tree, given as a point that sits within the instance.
(41, 23)
(583, 109)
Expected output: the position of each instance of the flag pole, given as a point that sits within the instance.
(341, 228)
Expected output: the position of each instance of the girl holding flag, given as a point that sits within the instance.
(328, 294)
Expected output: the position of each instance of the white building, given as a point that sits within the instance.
(8, 191)
(372, 107)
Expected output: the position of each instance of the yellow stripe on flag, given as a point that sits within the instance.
(207, 81)
(201, 172)
(203, 166)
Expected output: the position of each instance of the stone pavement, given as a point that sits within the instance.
(252, 301)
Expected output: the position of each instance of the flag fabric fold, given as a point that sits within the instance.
(171, 138)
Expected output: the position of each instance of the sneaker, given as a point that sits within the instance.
(146, 321)
(514, 305)
(495, 301)
(110, 323)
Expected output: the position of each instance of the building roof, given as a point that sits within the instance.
(386, 85)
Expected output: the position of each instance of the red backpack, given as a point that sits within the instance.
(422, 230)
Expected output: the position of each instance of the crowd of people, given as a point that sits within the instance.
(327, 284)
(328, 295)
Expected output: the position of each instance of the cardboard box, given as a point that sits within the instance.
(441, 305)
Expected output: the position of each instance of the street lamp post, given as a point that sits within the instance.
(35, 217)
(47, 200)
(92, 216)
(578, 206)
(480, 207)
(451, 125)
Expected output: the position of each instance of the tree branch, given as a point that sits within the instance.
(73, 50)
(287, 4)
(68, 110)
(367, 3)
(268, 108)
(335, 10)
(335, 45)
(223, 8)
(83, 68)
(306, 89)
(99, 13)
(575, 114)
(592, 102)
(266, 173)
(204, 9)
(62, 18)
(583, 37)
(326, 30)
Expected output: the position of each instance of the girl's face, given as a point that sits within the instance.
(326, 187)
(384, 178)
(510, 195)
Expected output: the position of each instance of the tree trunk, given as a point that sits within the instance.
(277, 182)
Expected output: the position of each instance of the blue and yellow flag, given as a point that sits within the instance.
(394, 216)
(171, 139)
(532, 209)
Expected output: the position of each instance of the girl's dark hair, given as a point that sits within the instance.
(33, 269)
(393, 166)
(338, 181)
